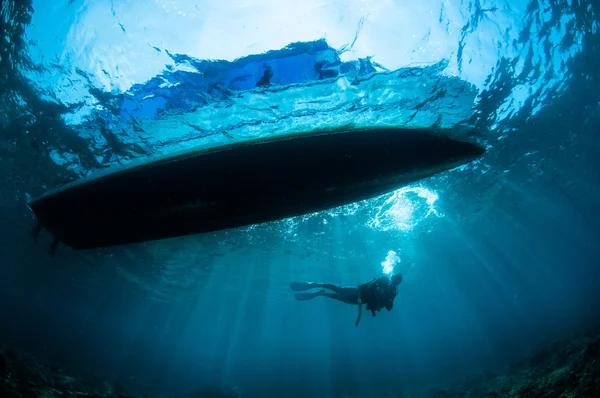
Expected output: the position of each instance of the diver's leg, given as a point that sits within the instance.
(348, 297)
(337, 289)
(300, 286)
(309, 296)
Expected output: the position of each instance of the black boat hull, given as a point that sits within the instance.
(244, 183)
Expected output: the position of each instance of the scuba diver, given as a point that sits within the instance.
(378, 293)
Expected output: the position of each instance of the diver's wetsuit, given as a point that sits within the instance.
(348, 295)
(376, 294)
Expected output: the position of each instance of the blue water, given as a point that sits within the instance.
(499, 257)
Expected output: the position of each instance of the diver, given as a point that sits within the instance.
(376, 294)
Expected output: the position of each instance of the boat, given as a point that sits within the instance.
(244, 183)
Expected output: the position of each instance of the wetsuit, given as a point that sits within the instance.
(376, 294)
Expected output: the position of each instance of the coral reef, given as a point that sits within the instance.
(565, 369)
(21, 376)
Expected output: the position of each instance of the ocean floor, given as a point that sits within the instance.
(566, 368)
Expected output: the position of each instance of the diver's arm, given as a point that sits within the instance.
(389, 305)
(359, 314)
(359, 299)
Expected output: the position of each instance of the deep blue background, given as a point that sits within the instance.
(511, 266)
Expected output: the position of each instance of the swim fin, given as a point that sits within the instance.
(299, 286)
(308, 296)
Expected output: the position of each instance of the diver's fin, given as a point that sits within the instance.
(308, 296)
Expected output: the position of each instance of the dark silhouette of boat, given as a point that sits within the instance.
(244, 183)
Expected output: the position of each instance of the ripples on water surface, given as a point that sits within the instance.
(499, 256)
